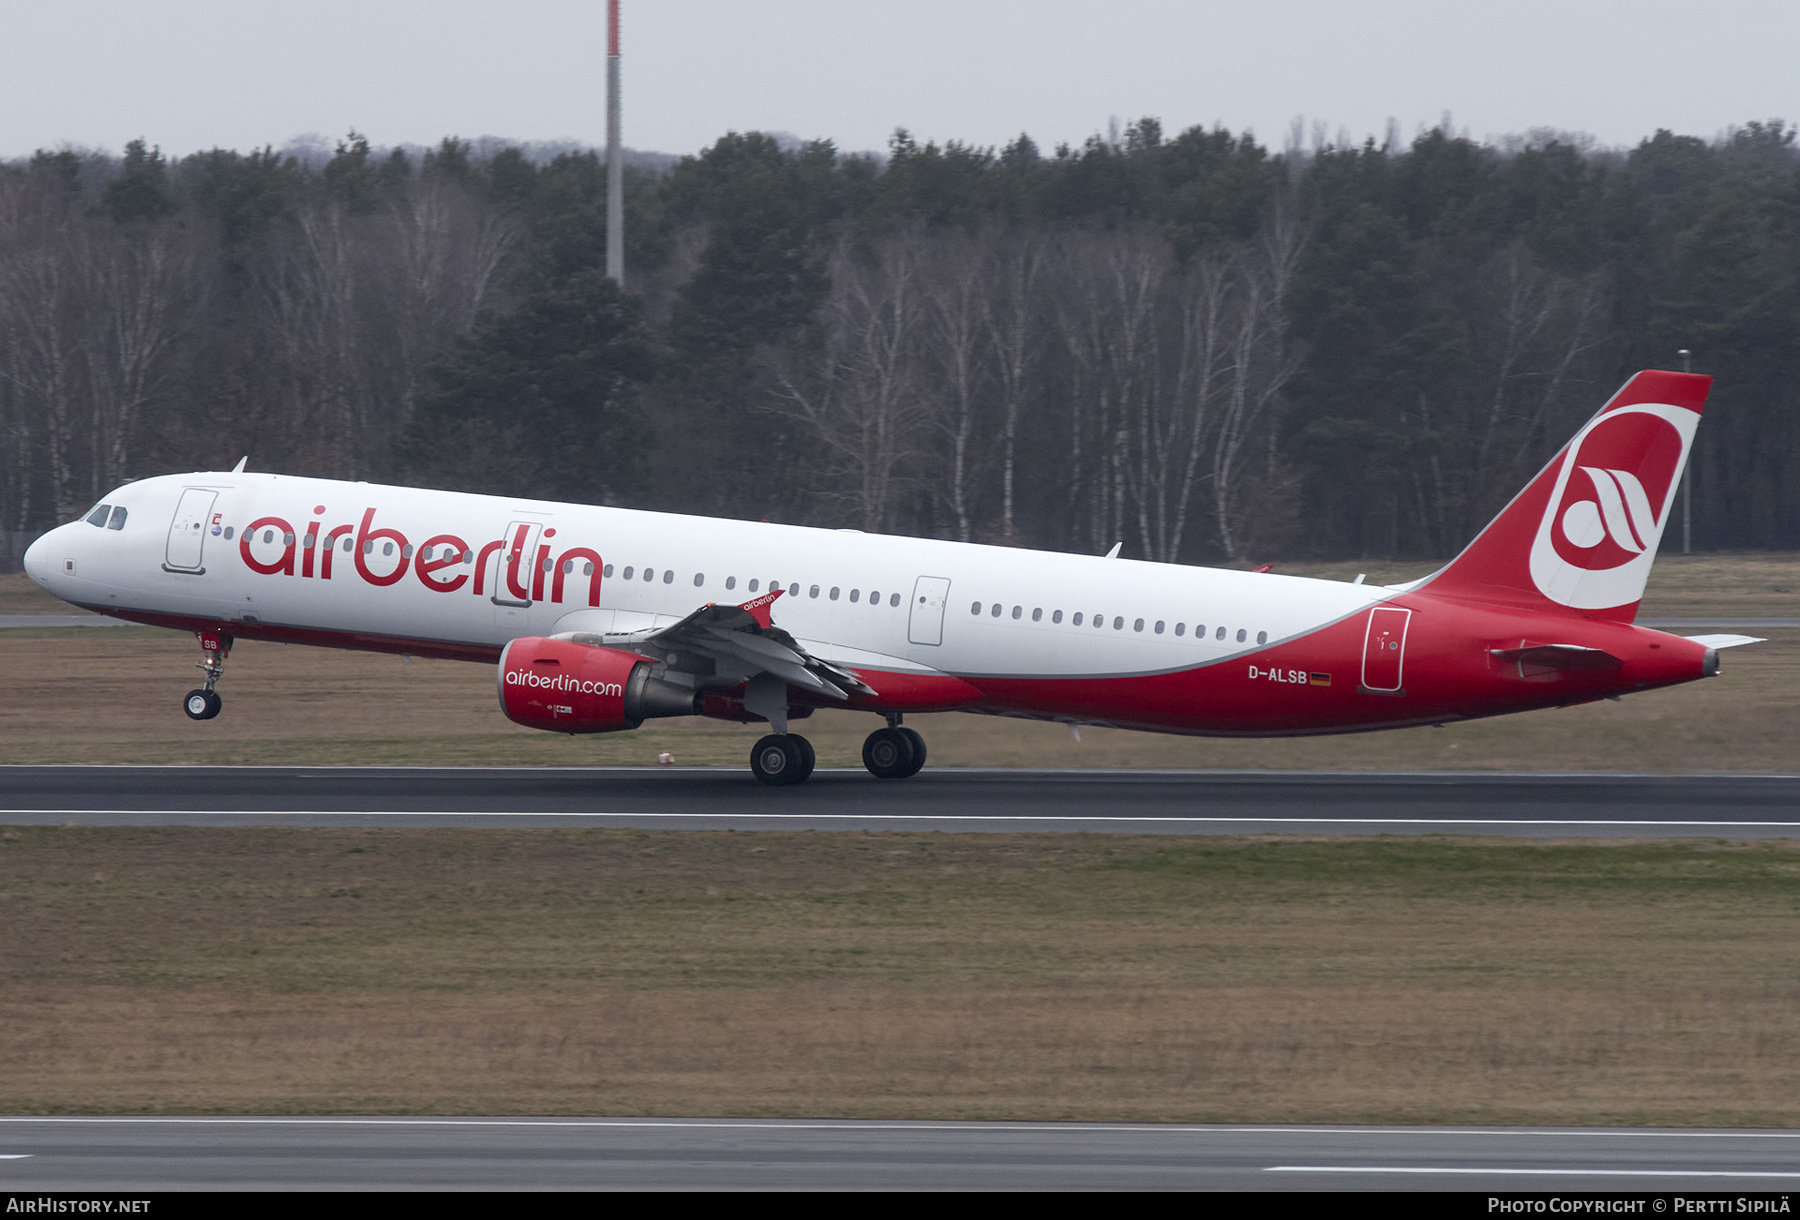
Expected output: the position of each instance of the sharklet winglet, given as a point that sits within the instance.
(758, 607)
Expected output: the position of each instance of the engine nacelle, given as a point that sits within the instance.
(567, 687)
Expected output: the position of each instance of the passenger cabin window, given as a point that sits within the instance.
(755, 585)
(834, 592)
(1076, 620)
(1037, 614)
(669, 577)
(1262, 637)
(997, 609)
(813, 592)
(975, 608)
(1241, 635)
(731, 582)
(1180, 627)
(1056, 616)
(1138, 625)
(699, 580)
(606, 571)
(855, 593)
(626, 574)
(1219, 634)
(894, 599)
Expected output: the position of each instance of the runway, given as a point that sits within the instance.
(1138, 802)
(167, 1154)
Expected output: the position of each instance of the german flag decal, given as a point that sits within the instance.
(1318, 679)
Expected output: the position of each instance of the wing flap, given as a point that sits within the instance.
(739, 642)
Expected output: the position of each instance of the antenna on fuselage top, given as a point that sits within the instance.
(239, 468)
(1114, 553)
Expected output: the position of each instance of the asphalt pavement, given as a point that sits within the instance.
(103, 1154)
(1140, 802)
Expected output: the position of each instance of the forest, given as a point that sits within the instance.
(1200, 347)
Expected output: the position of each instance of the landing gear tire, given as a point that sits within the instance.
(201, 704)
(808, 757)
(889, 754)
(780, 759)
(918, 745)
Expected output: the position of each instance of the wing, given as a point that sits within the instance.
(731, 644)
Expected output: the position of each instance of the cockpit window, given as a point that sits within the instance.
(98, 516)
(118, 518)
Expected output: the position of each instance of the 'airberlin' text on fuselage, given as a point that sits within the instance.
(286, 552)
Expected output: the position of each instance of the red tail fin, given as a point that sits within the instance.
(1582, 535)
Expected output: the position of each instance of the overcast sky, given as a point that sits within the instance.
(194, 74)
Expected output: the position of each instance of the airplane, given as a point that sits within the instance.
(598, 619)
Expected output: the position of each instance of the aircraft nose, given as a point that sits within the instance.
(37, 559)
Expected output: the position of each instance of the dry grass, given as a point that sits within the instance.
(1094, 977)
(1098, 977)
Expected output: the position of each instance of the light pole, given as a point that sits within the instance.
(615, 167)
(1687, 476)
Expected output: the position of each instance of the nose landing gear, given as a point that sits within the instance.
(204, 703)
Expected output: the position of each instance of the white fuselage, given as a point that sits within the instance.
(852, 598)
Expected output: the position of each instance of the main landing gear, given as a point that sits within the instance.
(894, 752)
(782, 758)
(204, 703)
(787, 758)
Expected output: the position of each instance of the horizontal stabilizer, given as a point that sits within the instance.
(1724, 641)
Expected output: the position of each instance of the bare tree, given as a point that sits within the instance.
(1534, 328)
(1262, 361)
(1013, 316)
(957, 270)
(143, 286)
(39, 315)
(859, 395)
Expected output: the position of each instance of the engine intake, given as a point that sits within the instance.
(566, 687)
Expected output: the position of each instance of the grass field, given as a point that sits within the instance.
(899, 975)
(1426, 979)
(111, 695)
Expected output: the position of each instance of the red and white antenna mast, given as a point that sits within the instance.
(615, 167)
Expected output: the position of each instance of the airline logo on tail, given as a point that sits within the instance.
(1606, 514)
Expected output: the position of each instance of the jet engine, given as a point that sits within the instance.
(567, 687)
